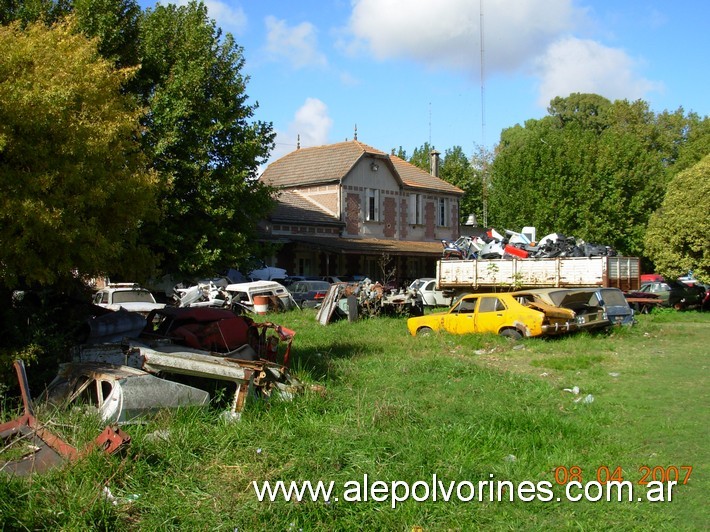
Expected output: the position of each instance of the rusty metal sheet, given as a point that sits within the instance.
(44, 450)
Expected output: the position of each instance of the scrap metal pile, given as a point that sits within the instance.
(493, 245)
(350, 300)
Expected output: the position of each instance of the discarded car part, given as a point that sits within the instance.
(244, 293)
(371, 298)
(129, 296)
(160, 358)
(120, 394)
(584, 304)
(425, 288)
(220, 330)
(45, 450)
(618, 310)
(112, 327)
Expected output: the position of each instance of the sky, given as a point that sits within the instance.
(457, 72)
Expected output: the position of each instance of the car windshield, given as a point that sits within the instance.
(614, 298)
(317, 285)
(133, 296)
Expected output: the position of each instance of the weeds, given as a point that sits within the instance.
(403, 408)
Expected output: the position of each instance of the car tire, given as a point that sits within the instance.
(424, 331)
(513, 334)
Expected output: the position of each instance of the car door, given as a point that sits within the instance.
(491, 315)
(462, 318)
(298, 291)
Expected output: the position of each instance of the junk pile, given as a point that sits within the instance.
(493, 245)
(127, 372)
(351, 300)
(33, 448)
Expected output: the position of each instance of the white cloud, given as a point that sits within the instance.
(447, 34)
(575, 65)
(230, 19)
(296, 44)
(310, 126)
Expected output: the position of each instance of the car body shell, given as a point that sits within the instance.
(591, 306)
(673, 293)
(244, 293)
(120, 394)
(128, 296)
(426, 289)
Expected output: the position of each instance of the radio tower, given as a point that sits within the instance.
(484, 170)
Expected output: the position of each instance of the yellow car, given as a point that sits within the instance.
(500, 313)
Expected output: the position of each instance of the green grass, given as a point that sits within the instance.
(402, 408)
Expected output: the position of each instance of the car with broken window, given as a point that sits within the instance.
(129, 296)
(244, 294)
(425, 288)
(590, 307)
(120, 394)
(673, 293)
(498, 313)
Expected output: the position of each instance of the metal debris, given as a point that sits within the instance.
(43, 449)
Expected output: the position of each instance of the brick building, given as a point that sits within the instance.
(342, 208)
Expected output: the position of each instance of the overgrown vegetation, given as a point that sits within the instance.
(404, 408)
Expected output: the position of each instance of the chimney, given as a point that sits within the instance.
(434, 162)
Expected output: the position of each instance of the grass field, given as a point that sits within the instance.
(398, 408)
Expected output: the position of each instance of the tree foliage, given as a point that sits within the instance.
(460, 171)
(591, 168)
(75, 184)
(201, 141)
(677, 237)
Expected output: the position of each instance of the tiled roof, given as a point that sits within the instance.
(415, 177)
(331, 163)
(322, 164)
(291, 206)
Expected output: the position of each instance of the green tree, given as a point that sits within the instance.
(201, 141)
(458, 170)
(677, 236)
(421, 157)
(75, 184)
(591, 169)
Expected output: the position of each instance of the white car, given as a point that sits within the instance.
(431, 297)
(128, 296)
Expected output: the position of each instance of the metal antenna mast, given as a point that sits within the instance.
(484, 175)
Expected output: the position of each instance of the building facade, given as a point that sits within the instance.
(350, 209)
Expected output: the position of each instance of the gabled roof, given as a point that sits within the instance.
(293, 207)
(414, 177)
(331, 163)
(319, 165)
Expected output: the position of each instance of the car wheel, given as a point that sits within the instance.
(424, 331)
(513, 334)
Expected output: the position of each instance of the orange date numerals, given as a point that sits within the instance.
(680, 474)
(563, 474)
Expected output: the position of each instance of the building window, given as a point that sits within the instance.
(416, 208)
(442, 212)
(373, 205)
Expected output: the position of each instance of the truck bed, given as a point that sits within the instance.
(511, 274)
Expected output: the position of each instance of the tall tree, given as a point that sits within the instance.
(421, 157)
(75, 184)
(201, 140)
(592, 169)
(677, 236)
(458, 170)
